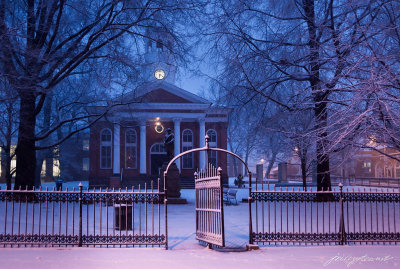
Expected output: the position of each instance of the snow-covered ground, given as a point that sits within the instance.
(185, 252)
(201, 257)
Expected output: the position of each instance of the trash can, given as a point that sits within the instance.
(59, 184)
(123, 216)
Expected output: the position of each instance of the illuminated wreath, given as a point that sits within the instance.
(159, 128)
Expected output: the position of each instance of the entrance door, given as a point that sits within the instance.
(209, 207)
(158, 156)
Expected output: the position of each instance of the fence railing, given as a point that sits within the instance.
(125, 217)
(353, 181)
(373, 182)
(340, 216)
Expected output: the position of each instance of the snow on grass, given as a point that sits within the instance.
(289, 257)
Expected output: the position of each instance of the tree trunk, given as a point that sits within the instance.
(323, 170)
(270, 164)
(8, 168)
(246, 159)
(7, 154)
(320, 99)
(25, 151)
(46, 154)
(303, 164)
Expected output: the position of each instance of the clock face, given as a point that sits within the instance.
(159, 74)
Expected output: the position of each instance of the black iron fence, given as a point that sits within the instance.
(340, 216)
(352, 181)
(101, 217)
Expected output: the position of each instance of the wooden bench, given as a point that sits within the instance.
(229, 196)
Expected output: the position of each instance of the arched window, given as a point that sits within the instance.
(388, 171)
(212, 142)
(397, 169)
(187, 144)
(130, 149)
(158, 148)
(105, 149)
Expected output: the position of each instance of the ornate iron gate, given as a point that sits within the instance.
(209, 200)
(209, 207)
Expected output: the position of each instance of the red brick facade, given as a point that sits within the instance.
(188, 118)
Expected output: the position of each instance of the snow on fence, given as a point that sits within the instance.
(288, 216)
(82, 218)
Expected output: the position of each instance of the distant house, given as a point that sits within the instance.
(363, 164)
(370, 163)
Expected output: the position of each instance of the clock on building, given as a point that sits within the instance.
(159, 74)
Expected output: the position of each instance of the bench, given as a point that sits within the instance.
(229, 196)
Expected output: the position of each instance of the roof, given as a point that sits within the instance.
(144, 94)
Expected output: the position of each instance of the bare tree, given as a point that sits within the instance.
(44, 42)
(310, 46)
(8, 128)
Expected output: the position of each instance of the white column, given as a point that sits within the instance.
(117, 149)
(143, 147)
(177, 143)
(202, 140)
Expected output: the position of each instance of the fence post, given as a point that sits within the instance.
(221, 205)
(342, 231)
(250, 217)
(165, 210)
(80, 216)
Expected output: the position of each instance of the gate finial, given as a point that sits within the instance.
(207, 140)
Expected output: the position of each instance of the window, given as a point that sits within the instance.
(212, 157)
(105, 149)
(85, 144)
(397, 169)
(56, 168)
(43, 170)
(366, 164)
(85, 164)
(187, 144)
(158, 148)
(388, 171)
(130, 149)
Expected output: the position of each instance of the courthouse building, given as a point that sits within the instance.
(128, 145)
